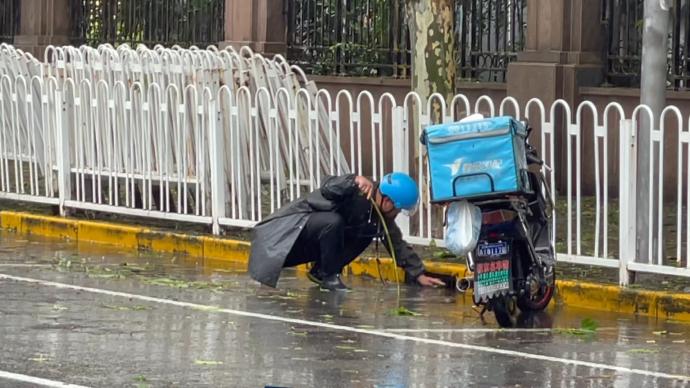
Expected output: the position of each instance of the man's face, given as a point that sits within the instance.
(388, 208)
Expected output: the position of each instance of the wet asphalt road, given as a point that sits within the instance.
(145, 320)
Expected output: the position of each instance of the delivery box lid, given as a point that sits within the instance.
(495, 126)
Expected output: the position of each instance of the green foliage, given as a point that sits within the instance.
(371, 38)
(207, 362)
(403, 312)
(589, 324)
(588, 327)
(150, 21)
(358, 38)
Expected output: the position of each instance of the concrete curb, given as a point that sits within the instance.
(660, 305)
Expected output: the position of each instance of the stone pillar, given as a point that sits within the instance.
(563, 51)
(259, 24)
(43, 23)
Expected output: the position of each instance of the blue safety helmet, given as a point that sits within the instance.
(401, 189)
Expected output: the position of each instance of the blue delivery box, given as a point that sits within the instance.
(477, 159)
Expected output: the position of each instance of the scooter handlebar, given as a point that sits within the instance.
(533, 159)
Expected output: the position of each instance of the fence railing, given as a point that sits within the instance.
(624, 21)
(151, 22)
(371, 37)
(489, 35)
(230, 156)
(9, 20)
(353, 37)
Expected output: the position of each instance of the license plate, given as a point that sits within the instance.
(492, 249)
(491, 278)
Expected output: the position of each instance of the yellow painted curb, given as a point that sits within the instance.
(11, 221)
(219, 252)
(658, 304)
(39, 225)
(369, 267)
(159, 241)
(224, 249)
(58, 228)
(106, 233)
(674, 307)
(601, 297)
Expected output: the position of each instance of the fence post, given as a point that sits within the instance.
(62, 153)
(627, 201)
(217, 164)
(259, 24)
(562, 52)
(401, 156)
(43, 23)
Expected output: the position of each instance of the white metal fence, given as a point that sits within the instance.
(229, 151)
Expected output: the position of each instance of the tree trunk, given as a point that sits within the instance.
(432, 39)
(653, 94)
(431, 24)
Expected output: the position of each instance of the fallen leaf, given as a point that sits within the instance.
(207, 362)
(589, 324)
(643, 351)
(140, 378)
(575, 332)
(125, 308)
(661, 332)
(40, 358)
(283, 297)
(168, 282)
(207, 308)
(404, 312)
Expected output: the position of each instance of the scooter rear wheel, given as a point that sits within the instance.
(505, 309)
(537, 301)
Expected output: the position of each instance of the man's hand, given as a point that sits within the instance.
(365, 186)
(428, 281)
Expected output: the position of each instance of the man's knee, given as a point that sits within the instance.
(327, 222)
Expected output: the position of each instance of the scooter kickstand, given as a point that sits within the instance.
(481, 313)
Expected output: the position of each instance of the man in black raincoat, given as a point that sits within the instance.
(333, 225)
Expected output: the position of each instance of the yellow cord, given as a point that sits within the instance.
(390, 246)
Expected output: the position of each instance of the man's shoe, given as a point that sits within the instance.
(333, 283)
(315, 275)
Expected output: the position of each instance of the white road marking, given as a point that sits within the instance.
(36, 380)
(477, 330)
(25, 265)
(378, 333)
(497, 330)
